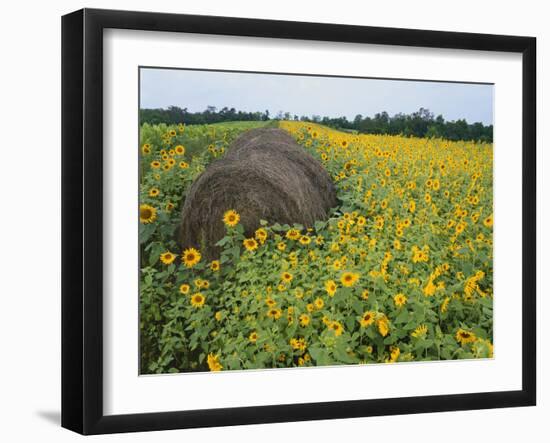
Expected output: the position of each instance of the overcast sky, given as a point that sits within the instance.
(305, 95)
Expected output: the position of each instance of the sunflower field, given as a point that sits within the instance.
(401, 271)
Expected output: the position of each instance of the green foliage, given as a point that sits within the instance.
(269, 305)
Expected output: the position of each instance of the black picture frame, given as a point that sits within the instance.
(82, 218)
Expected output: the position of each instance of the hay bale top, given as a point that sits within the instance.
(255, 137)
(260, 143)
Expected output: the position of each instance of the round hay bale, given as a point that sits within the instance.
(255, 135)
(274, 140)
(265, 175)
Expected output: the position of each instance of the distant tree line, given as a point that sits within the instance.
(175, 115)
(422, 123)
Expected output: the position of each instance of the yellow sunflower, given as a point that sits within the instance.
(214, 362)
(274, 313)
(400, 300)
(349, 279)
(336, 327)
(197, 300)
(261, 235)
(231, 218)
(394, 354)
(298, 344)
(253, 337)
(293, 234)
(167, 257)
(215, 265)
(304, 320)
(286, 277)
(420, 331)
(464, 337)
(191, 257)
(367, 319)
(250, 244)
(428, 198)
(319, 303)
(147, 214)
(383, 326)
(330, 287)
(445, 304)
(184, 288)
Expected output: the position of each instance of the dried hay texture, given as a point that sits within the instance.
(265, 175)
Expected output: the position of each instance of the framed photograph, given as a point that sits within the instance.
(269, 221)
